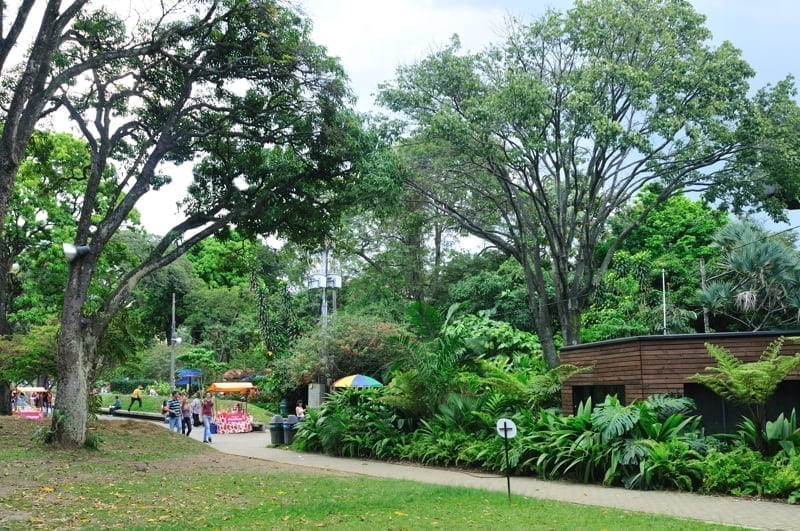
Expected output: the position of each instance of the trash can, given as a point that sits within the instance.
(276, 430)
(283, 407)
(289, 428)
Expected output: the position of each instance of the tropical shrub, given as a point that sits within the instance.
(671, 464)
(740, 471)
(442, 439)
(748, 385)
(353, 423)
(359, 344)
(784, 482)
(779, 436)
(634, 445)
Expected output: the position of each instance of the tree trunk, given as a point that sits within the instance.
(77, 346)
(5, 397)
(538, 306)
(71, 417)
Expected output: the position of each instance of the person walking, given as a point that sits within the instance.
(136, 396)
(207, 411)
(195, 407)
(48, 402)
(174, 412)
(186, 415)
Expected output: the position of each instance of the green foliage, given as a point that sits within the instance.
(205, 360)
(739, 471)
(676, 235)
(352, 423)
(125, 386)
(636, 445)
(359, 344)
(783, 433)
(231, 328)
(488, 337)
(781, 436)
(671, 464)
(754, 281)
(613, 419)
(748, 384)
(493, 137)
(26, 356)
(785, 480)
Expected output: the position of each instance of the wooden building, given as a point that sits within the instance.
(637, 367)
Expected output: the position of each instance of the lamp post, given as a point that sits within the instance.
(324, 280)
(175, 341)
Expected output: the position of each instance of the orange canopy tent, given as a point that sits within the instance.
(231, 387)
(244, 388)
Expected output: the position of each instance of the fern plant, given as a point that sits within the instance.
(748, 385)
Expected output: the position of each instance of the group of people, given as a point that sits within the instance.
(182, 413)
(38, 401)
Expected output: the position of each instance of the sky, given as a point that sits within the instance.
(373, 37)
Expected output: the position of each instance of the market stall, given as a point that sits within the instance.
(26, 404)
(235, 419)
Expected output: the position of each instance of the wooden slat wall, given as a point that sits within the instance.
(658, 364)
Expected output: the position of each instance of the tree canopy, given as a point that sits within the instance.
(238, 89)
(532, 145)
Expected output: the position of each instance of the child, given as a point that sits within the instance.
(165, 411)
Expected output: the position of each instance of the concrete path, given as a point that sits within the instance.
(722, 510)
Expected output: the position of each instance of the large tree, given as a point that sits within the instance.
(534, 144)
(238, 88)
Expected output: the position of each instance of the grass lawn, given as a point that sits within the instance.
(144, 476)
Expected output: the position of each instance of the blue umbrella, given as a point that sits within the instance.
(185, 376)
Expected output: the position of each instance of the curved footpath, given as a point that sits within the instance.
(716, 509)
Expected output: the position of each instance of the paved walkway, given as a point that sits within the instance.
(722, 510)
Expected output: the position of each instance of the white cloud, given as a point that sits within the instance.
(373, 38)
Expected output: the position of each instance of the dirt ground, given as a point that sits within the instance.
(25, 461)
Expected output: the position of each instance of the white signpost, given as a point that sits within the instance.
(507, 430)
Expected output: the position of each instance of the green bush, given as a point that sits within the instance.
(784, 482)
(740, 471)
(125, 386)
(670, 464)
(353, 423)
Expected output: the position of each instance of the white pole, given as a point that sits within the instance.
(664, 298)
(172, 348)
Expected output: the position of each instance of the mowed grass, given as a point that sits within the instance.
(145, 477)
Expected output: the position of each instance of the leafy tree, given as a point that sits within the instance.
(237, 86)
(748, 384)
(224, 262)
(676, 236)
(26, 357)
(205, 360)
(487, 281)
(535, 144)
(230, 328)
(755, 281)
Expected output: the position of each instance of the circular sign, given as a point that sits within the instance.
(506, 428)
